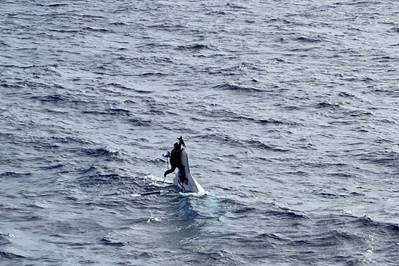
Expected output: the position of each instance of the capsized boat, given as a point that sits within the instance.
(191, 185)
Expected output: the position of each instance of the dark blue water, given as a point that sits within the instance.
(289, 110)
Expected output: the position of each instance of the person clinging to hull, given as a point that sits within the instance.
(175, 161)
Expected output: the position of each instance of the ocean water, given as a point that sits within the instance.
(289, 110)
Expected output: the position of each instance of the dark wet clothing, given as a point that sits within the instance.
(175, 157)
(175, 161)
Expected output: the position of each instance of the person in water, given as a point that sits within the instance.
(175, 160)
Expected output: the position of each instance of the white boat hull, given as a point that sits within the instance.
(192, 185)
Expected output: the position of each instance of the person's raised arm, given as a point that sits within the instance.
(181, 142)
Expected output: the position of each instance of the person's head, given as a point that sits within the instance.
(176, 145)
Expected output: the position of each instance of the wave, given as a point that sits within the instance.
(100, 179)
(358, 113)
(124, 87)
(118, 23)
(355, 3)
(194, 47)
(148, 74)
(225, 71)
(54, 166)
(55, 98)
(232, 116)
(167, 27)
(10, 255)
(14, 174)
(327, 105)
(92, 29)
(235, 6)
(8, 85)
(154, 45)
(327, 195)
(334, 238)
(101, 152)
(216, 12)
(361, 224)
(261, 145)
(21, 66)
(88, 170)
(391, 229)
(244, 210)
(56, 4)
(307, 39)
(220, 137)
(140, 122)
(346, 94)
(286, 213)
(118, 111)
(270, 236)
(60, 30)
(110, 111)
(109, 242)
(341, 174)
(242, 143)
(118, 85)
(385, 158)
(4, 239)
(237, 88)
(269, 121)
(70, 140)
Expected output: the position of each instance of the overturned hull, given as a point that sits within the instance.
(191, 185)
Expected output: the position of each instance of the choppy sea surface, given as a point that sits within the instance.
(289, 110)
